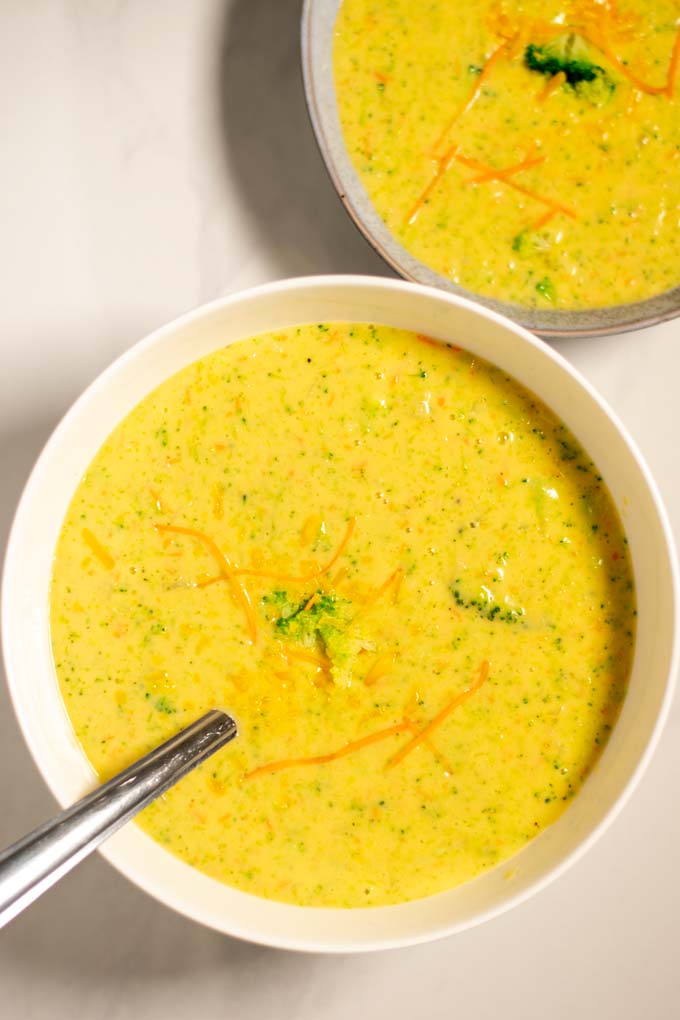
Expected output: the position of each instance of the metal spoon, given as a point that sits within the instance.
(31, 865)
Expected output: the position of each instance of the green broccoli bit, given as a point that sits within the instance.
(527, 242)
(162, 704)
(483, 608)
(294, 619)
(545, 61)
(546, 288)
(569, 55)
(325, 625)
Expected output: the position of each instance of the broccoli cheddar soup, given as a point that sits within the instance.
(528, 150)
(395, 567)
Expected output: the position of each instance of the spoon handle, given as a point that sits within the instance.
(38, 860)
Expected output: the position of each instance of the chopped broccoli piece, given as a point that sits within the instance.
(276, 598)
(545, 61)
(483, 608)
(569, 55)
(295, 620)
(527, 242)
(326, 625)
(546, 288)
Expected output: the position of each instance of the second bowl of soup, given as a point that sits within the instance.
(523, 153)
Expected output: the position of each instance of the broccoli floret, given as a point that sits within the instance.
(294, 619)
(546, 288)
(569, 55)
(483, 609)
(326, 625)
(527, 242)
(545, 61)
(276, 599)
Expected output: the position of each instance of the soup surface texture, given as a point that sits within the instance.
(529, 151)
(394, 566)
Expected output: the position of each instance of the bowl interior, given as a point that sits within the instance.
(26, 628)
(318, 23)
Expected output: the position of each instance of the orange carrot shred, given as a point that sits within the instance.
(304, 656)
(381, 667)
(338, 578)
(438, 755)
(475, 164)
(502, 175)
(543, 220)
(599, 39)
(429, 340)
(443, 164)
(322, 759)
(395, 579)
(227, 573)
(441, 716)
(552, 85)
(274, 576)
(673, 66)
(102, 554)
(486, 70)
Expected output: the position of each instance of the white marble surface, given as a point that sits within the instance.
(156, 154)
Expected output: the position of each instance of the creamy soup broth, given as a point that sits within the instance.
(395, 567)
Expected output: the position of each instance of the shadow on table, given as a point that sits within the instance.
(271, 150)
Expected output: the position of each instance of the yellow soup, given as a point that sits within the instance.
(529, 150)
(395, 567)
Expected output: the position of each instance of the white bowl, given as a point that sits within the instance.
(25, 624)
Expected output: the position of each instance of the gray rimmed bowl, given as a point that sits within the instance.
(318, 21)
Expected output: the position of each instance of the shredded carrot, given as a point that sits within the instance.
(316, 660)
(380, 668)
(322, 759)
(441, 716)
(340, 576)
(464, 107)
(382, 78)
(205, 582)
(438, 755)
(312, 601)
(673, 66)
(274, 576)
(443, 164)
(543, 220)
(395, 579)
(502, 175)
(552, 85)
(519, 41)
(429, 340)
(102, 554)
(475, 164)
(599, 39)
(227, 573)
